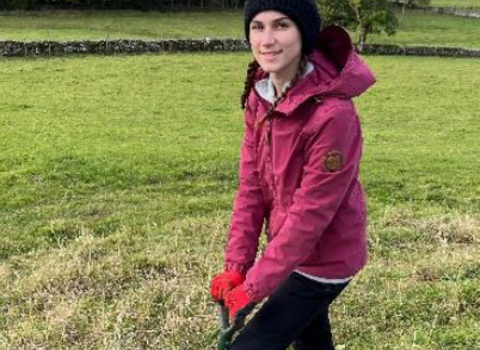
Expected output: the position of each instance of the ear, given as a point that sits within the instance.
(335, 42)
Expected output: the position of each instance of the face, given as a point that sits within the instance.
(276, 43)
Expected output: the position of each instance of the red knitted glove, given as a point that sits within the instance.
(223, 283)
(236, 300)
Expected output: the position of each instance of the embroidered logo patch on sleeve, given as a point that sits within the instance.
(333, 161)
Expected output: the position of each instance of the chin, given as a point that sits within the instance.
(270, 68)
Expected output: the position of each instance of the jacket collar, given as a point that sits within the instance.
(266, 89)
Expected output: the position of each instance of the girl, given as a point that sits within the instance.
(299, 174)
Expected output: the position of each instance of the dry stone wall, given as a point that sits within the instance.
(460, 12)
(105, 47)
(376, 49)
(109, 47)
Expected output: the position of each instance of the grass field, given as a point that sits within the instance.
(416, 28)
(456, 3)
(118, 174)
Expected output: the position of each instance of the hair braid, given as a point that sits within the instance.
(286, 88)
(249, 81)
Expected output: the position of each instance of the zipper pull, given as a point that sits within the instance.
(318, 99)
(269, 132)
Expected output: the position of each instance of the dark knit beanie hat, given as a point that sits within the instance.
(303, 12)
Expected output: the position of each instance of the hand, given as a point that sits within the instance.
(223, 283)
(236, 300)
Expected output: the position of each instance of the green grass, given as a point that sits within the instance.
(456, 3)
(118, 175)
(96, 25)
(416, 28)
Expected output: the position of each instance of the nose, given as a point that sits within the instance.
(268, 38)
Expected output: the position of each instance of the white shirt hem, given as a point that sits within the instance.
(325, 280)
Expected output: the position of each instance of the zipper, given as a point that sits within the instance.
(268, 134)
(269, 143)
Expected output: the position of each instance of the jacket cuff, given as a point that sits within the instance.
(237, 267)
(252, 294)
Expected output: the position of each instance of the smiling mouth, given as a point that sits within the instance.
(273, 53)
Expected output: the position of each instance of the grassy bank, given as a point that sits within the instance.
(118, 175)
(416, 28)
(456, 3)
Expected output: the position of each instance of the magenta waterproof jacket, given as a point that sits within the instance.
(299, 174)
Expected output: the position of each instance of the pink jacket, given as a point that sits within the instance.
(299, 174)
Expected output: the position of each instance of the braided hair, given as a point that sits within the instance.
(249, 81)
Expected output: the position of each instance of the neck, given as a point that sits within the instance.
(279, 79)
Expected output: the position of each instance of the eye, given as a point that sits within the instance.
(255, 27)
(281, 25)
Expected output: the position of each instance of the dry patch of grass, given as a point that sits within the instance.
(453, 263)
(420, 289)
(150, 290)
(117, 292)
(434, 228)
(452, 228)
(74, 294)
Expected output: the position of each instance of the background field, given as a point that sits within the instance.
(456, 3)
(118, 174)
(416, 28)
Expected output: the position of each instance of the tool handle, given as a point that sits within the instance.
(240, 317)
(227, 330)
(223, 316)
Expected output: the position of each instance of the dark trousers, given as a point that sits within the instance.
(296, 313)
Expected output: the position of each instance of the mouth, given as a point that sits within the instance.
(272, 53)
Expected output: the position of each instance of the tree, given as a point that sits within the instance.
(363, 16)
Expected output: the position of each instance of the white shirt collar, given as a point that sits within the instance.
(266, 89)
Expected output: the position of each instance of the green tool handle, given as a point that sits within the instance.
(226, 330)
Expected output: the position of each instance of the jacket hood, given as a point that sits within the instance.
(338, 71)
